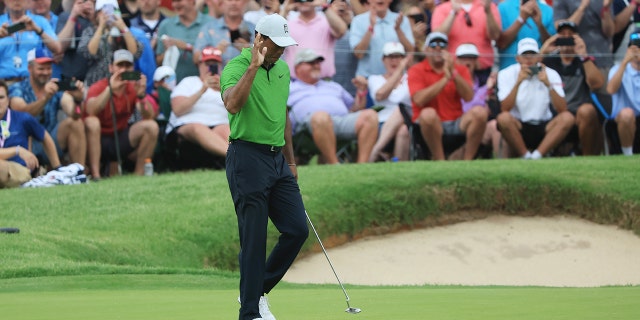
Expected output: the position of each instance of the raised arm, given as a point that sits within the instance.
(235, 97)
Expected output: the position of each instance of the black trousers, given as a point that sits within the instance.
(263, 187)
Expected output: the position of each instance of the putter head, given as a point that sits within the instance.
(353, 310)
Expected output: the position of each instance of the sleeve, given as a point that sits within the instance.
(505, 83)
(358, 28)
(47, 28)
(416, 82)
(186, 87)
(613, 71)
(618, 6)
(15, 90)
(560, 10)
(556, 81)
(375, 82)
(232, 73)
(33, 127)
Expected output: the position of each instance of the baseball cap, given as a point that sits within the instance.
(211, 53)
(307, 55)
(433, 36)
(163, 72)
(275, 27)
(528, 45)
(567, 24)
(393, 48)
(467, 50)
(101, 3)
(122, 55)
(39, 55)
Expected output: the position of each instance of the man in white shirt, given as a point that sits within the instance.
(197, 111)
(526, 90)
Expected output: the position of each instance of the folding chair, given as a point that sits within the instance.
(609, 133)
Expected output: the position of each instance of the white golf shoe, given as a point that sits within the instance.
(263, 306)
(264, 309)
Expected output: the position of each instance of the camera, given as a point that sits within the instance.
(213, 69)
(565, 41)
(16, 27)
(130, 75)
(535, 69)
(66, 84)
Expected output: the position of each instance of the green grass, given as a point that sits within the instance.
(166, 247)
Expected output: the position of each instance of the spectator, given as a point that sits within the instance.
(315, 31)
(388, 91)
(149, 20)
(99, 41)
(580, 76)
(229, 33)
(70, 62)
(346, 63)
(387, 26)
(39, 95)
(328, 111)
(533, 19)
(16, 128)
(470, 21)
(164, 81)
(526, 90)
(267, 7)
(467, 55)
(625, 15)
(43, 8)
(107, 140)
(437, 85)
(181, 31)
(14, 47)
(623, 86)
(198, 113)
(594, 23)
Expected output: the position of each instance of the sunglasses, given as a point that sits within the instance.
(467, 19)
(435, 44)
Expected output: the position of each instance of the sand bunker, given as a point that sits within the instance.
(500, 250)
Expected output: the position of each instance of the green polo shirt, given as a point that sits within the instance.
(173, 28)
(263, 118)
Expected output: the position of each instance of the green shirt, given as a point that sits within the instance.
(173, 28)
(263, 118)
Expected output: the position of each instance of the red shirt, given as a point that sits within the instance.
(124, 105)
(447, 102)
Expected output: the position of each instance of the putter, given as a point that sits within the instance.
(349, 308)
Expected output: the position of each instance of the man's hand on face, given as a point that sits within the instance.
(258, 52)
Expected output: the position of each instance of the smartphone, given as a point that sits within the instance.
(417, 17)
(235, 34)
(130, 75)
(66, 84)
(16, 27)
(213, 69)
(565, 41)
(534, 70)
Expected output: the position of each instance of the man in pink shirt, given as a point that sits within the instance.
(315, 31)
(470, 21)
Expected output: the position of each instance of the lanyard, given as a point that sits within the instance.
(4, 126)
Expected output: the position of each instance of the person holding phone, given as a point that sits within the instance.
(112, 98)
(20, 31)
(526, 121)
(567, 53)
(198, 115)
(40, 95)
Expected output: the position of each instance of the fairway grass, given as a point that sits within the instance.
(184, 297)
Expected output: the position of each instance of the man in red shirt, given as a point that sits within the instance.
(436, 86)
(126, 96)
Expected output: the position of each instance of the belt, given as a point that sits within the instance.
(258, 146)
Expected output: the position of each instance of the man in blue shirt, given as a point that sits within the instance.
(39, 95)
(14, 46)
(533, 19)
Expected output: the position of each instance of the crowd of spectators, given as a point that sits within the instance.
(110, 80)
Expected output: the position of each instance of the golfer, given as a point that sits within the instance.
(260, 164)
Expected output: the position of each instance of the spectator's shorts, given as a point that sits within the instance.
(452, 128)
(38, 149)
(13, 174)
(108, 143)
(344, 126)
(533, 133)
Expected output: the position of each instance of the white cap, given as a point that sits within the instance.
(467, 50)
(163, 72)
(276, 28)
(393, 48)
(101, 3)
(307, 55)
(433, 36)
(528, 45)
(122, 55)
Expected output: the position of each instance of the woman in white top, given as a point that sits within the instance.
(388, 91)
(197, 111)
